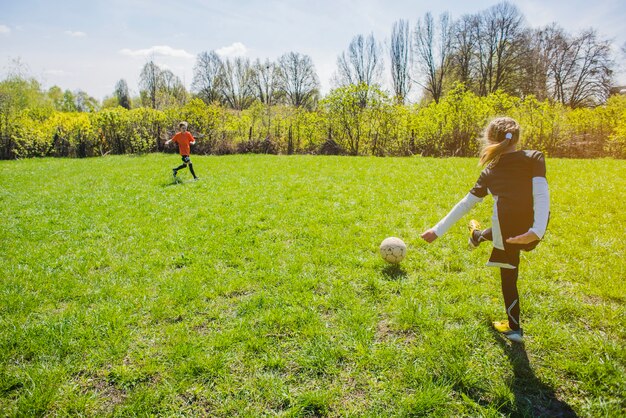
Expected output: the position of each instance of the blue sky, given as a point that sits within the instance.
(90, 45)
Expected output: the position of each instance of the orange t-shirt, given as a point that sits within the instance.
(183, 139)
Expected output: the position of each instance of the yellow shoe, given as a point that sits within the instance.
(503, 328)
(473, 226)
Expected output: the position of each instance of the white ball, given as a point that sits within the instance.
(392, 250)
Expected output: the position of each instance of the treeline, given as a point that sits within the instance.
(466, 71)
(350, 120)
(489, 51)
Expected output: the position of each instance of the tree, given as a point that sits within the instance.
(122, 95)
(72, 101)
(83, 102)
(18, 90)
(236, 83)
(400, 54)
(172, 91)
(150, 81)
(352, 122)
(55, 96)
(579, 68)
(463, 49)
(206, 76)
(360, 66)
(160, 88)
(68, 102)
(298, 80)
(499, 42)
(534, 66)
(17, 93)
(266, 80)
(432, 52)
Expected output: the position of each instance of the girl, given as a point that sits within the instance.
(517, 181)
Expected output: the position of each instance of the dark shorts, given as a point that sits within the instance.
(186, 159)
(510, 256)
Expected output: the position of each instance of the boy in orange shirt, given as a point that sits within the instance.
(183, 139)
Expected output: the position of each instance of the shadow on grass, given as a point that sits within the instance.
(394, 272)
(532, 396)
(173, 182)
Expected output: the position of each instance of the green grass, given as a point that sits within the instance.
(258, 290)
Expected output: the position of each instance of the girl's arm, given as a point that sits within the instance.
(541, 208)
(457, 212)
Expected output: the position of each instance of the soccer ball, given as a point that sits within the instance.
(392, 250)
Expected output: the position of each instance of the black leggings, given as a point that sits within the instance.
(508, 278)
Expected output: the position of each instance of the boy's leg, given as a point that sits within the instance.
(185, 159)
(511, 296)
(178, 168)
(192, 172)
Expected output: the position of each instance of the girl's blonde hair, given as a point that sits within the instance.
(499, 135)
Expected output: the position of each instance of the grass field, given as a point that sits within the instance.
(258, 291)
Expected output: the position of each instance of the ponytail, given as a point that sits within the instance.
(500, 134)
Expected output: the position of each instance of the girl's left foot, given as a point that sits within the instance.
(474, 231)
(514, 335)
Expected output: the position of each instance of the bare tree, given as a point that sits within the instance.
(298, 80)
(172, 90)
(236, 83)
(499, 48)
(362, 64)
(205, 76)
(122, 94)
(400, 54)
(535, 66)
(580, 68)
(463, 49)
(160, 88)
(432, 51)
(150, 81)
(266, 80)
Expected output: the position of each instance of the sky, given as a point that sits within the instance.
(90, 45)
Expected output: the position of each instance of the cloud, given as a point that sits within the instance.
(234, 50)
(75, 34)
(4, 29)
(159, 50)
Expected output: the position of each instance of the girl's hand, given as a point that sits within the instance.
(429, 236)
(526, 238)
